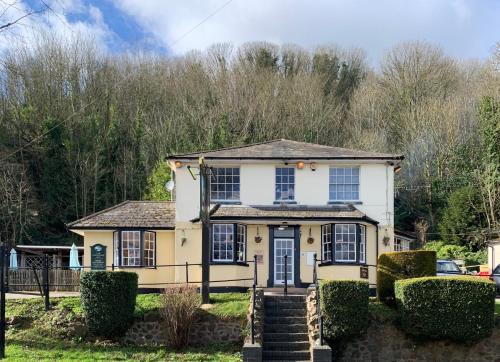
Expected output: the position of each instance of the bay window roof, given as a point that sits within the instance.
(130, 214)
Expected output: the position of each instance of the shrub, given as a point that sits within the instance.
(456, 308)
(402, 265)
(108, 301)
(447, 251)
(179, 306)
(344, 304)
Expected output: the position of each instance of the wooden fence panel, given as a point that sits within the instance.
(59, 280)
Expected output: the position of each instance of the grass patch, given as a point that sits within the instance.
(229, 305)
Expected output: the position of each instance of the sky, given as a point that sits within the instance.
(463, 28)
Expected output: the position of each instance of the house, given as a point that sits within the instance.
(404, 240)
(268, 199)
(493, 254)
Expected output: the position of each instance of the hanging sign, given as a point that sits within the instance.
(363, 272)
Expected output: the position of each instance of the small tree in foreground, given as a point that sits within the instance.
(178, 309)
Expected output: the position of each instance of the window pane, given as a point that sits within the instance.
(131, 248)
(326, 242)
(345, 242)
(344, 183)
(225, 184)
(285, 183)
(149, 248)
(222, 242)
(362, 244)
(241, 243)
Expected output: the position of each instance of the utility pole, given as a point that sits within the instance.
(205, 174)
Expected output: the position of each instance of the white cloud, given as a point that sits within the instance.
(54, 21)
(463, 28)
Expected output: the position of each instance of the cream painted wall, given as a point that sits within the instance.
(257, 188)
(164, 256)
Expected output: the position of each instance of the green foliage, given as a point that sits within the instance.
(402, 265)
(344, 304)
(456, 308)
(156, 182)
(461, 218)
(108, 301)
(446, 251)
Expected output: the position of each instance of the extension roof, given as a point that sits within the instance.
(285, 150)
(130, 214)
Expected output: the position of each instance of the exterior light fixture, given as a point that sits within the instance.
(300, 165)
(313, 166)
(283, 226)
(397, 169)
(178, 164)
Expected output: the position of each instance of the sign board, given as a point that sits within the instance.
(260, 257)
(363, 272)
(98, 257)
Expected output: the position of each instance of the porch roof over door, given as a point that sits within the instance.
(284, 212)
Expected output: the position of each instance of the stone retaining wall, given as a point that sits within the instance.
(384, 342)
(312, 315)
(259, 317)
(149, 330)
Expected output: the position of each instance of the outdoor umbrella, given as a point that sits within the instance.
(73, 258)
(13, 259)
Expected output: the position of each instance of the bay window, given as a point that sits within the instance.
(134, 248)
(228, 243)
(343, 243)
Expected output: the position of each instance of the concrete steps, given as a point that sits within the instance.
(285, 329)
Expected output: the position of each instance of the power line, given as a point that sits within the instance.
(114, 86)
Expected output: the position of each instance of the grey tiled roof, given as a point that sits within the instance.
(296, 212)
(286, 149)
(133, 214)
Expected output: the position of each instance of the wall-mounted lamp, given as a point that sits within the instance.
(183, 238)
(313, 166)
(258, 238)
(283, 226)
(397, 169)
(300, 165)
(178, 164)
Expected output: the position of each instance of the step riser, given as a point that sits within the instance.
(286, 346)
(284, 320)
(284, 328)
(286, 337)
(284, 306)
(275, 312)
(286, 356)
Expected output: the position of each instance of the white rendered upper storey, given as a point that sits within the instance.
(290, 172)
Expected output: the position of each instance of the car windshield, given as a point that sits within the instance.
(447, 267)
(497, 270)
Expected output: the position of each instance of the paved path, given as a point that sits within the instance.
(27, 295)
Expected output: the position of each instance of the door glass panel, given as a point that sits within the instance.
(283, 247)
(287, 232)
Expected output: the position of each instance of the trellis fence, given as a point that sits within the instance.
(30, 279)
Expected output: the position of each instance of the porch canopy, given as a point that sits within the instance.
(287, 212)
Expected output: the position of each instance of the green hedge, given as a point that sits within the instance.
(344, 304)
(456, 308)
(402, 265)
(108, 301)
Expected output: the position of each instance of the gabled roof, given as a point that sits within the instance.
(288, 212)
(287, 149)
(130, 214)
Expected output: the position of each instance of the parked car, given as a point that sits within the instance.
(447, 268)
(496, 277)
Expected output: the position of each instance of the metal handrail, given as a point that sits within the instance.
(318, 305)
(254, 287)
(286, 275)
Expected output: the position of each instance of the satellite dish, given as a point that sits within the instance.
(169, 185)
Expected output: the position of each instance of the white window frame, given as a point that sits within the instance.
(226, 230)
(241, 243)
(401, 244)
(326, 243)
(278, 195)
(225, 184)
(135, 259)
(332, 182)
(351, 230)
(149, 251)
(362, 244)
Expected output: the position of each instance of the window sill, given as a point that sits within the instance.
(289, 202)
(337, 263)
(238, 263)
(345, 202)
(228, 202)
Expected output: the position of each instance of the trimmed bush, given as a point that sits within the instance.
(402, 265)
(344, 304)
(456, 308)
(108, 301)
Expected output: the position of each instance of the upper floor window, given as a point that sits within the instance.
(343, 243)
(344, 183)
(285, 184)
(134, 248)
(225, 184)
(229, 243)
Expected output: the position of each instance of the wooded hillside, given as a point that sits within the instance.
(81, 130)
